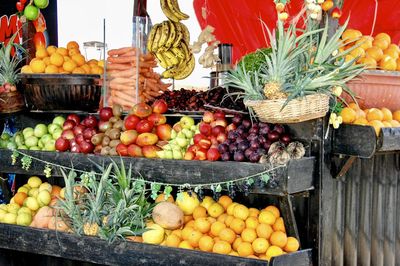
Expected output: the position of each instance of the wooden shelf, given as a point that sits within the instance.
(297, 176)
(95, 250)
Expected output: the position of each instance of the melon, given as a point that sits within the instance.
(168, 215)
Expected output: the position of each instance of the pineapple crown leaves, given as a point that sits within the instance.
(9, 64)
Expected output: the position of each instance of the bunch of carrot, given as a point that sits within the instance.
(122, 77)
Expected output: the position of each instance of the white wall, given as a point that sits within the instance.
(82, 20)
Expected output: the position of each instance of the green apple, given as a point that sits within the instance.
(173, 134)
(52, 127)
(182, 142)
(27, 132)
(31, 141)
(46, 138)
(40, 144)
(181, 135)
(59, 120)
(19, 139)
(34, 148)
(188, 133)
(3, 144)
(186, 121)
(160, 154)
(11, 146)
(167, 147)
(24, 219)
(169, 155)
(5, 136)
(40, 130)
(31, 12)
(50, 145)
(41, 3)
(57, 133)
(22, 147)
(177, 155)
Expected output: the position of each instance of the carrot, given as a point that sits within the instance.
(122, 50)
(121, 87)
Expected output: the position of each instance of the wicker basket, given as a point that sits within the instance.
(298, 110)
(11, 102)
(51, 92)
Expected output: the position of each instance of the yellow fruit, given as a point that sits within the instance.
(230, 208)
(396, 115)
(383, 36)
(185, 244)
(13, 208)
(215, 210)
(51, 69)
(78, 59)
(186, 232)
(222, 217)
(57, 59)
(33, 192)
(207, 202)
(233, 253)
(245, 249)
(154, 234)
(194, 238)
(31, 203)
(264, 231)
(26, 69)
(172, 241)
(375, 114)
(395, 123)
(44, 198)
(23, 189)
(229, 220)
(381, 43)
(51, 49)
(227, 235)
(2, 214)
(351, 35)
(67, 58)
(253, 212)
(74, 51)
(386, 124)
(240, 211)
(96, 70)
(279, 225)
(292, 245)
(260, 245)
(392, 53)
(237, 225)
(177, 232)
(92, 62)
(369, 62)
(34, 182)
(24, 209)
(222, 247)
(188, 203)
(101, 63)
(387, 114)
(190, 224)
(358, 52)
(187, 218)
(361, 114)
(199, 212)
(87, 71)
(69, 66)
(236, 243)
(19, 198)
(387, 63)
(251, 222)
(62, 193)
(216, 228)
(10, 218)
(249, 235)
(375, 53)
(365, 42)
(225, 201)
(278, 238)
(41, 53)
(79, 70)
(266, 217)
(24, 219)
(72, 45)
(273, 251)
(206, 243)
(3, 207)
(62, 51)
(349, 58)
(275, 211)
(348, 115)
(211, 219)
(394, 47)
(161, 198)
(202, 224)
(361, 121)
(37, 66)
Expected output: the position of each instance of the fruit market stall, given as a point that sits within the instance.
(289, 158)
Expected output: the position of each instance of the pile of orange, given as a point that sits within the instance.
(377, 118)
(53, 60)
(230, 228)
(375, 52)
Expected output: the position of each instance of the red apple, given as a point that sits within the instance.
(208, 117)
(146, 139)
(131, 121)
(86, 147)
(105, 113)
(68, 134)
(204, 144)
(97, 149)
(221, 122)
(75, 149)
(73, 143)
(214, 141)
(141, 110)
(104, 126)
(218, 129)
(160, 106)
(193, 148)
(79, 139)
(213, 154)
(90, 121)
(189, 155)
(150, 151)
(88, 133)
(221, 137)
(128, 137)
(198, 137)
(201, 155)
(78, 129)
(177, 127)
(69, 124)
(230, 127)
(205, 129)
(164, 132)
(135, 150)
(74, 117)
(219, 115)
(144, 126)
(62, 144)
(122, 149)
(157, 119)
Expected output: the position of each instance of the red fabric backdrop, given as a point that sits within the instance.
(236, 21)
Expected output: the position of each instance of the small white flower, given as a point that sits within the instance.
(320, 1)
(337, 91)
(314, 15)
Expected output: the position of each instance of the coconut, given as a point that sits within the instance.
(168, 215)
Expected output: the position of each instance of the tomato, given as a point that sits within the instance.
(20, 6)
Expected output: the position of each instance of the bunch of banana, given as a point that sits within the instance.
(172, 11)
(168, 41)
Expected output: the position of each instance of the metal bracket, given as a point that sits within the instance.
(346, 167)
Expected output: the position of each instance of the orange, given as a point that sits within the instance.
(62, 51)
(67, 58)
(215, 210)
(202, 224)
(26, 69)
(187, 218)
(263, 256)
(264, 231)
(206, 243)
(353, 106)
(394, 47)
(398, 64)
(172, 241)
(249, 235)
(383, 36)
(237, 225)
(190, 224)
(253, 212)
(386, 124)
(395, 123)
(361, 121)
(245, 249)
(348, 115)
(51, 69)
(236, 243)
(37, 66)
(381, 43)
(233, 253)
(225, 201)
(275, 211)
(375, 53)
(161, 197)
(387, 114)
(216, 228)
(227, 235)
(351, 35)
(78, 59)
(230, 208)
(349, 58)
(358, 52)
(185, 244)
(369, 62)
(278, 238)
(41, 53)
(396, 115)
(186, 232)
(266, 217)
(229, 220)
(72, 45)
(360, 114)
(279, 225)
(251, 222)
(94, 69)
(55, 191)
(252, 257)
(73, 51)
(375, 114)
(392, 53)
(222, 247)
(51, 49)
(199, 211)
(194, 238)
(211, 219)
(177, 232)
(69, 66)
(387, 63)
(377, 125)
(365, 42)
(19, 198)
(273, 251)
(222, 217)
(260, 245)
(292, 245)
(240, 211)
(57, 59)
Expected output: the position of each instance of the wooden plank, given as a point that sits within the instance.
(389, 139)
(300, 258)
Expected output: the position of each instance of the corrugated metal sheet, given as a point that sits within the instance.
(365, 222)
